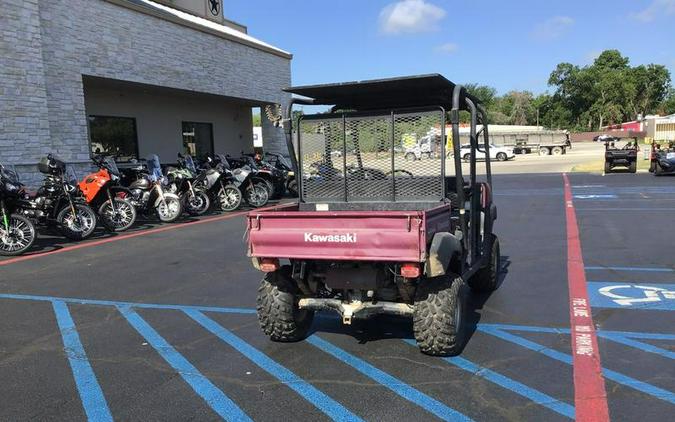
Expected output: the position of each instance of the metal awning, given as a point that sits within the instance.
(400, 92)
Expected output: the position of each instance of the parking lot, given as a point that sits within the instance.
(160, 324)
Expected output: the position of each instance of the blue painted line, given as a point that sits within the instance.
(394, 384)
(212, 395)
(641, 386)
(553, 354)
(646, 336)
(637, 344)
(637, 269)
(528, 328)
(617, 377)
(647, 296)
(510, 384)
(129, 304)
(91, 395)
(324, 403)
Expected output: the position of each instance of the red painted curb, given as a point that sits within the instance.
(590, 397)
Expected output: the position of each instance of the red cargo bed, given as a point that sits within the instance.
(395, 236)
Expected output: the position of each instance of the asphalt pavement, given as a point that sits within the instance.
(159, 324)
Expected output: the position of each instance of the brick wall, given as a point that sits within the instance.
(47, 45)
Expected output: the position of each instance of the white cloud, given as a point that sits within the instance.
(447, 48)
(410, 16)
(655, 9)
(552, 28)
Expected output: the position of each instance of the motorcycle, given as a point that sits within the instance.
(58, 201)
(263, 172)
(182, 183)
(147, 194)
(103, 192)
(253, 188)
(284, 166)
(17, 233)
(216, 180)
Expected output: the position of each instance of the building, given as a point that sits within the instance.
(131, 77)
(658, 128)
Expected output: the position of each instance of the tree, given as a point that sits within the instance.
(668, 105)
(608, 91)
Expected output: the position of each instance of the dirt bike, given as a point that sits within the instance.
(253, 188)
(147, 194)
(182, 183)
(103, 193)
(17, 233)
(216, 180)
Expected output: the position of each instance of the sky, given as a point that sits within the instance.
(510, 45)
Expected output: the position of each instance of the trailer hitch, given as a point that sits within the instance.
(355, 308)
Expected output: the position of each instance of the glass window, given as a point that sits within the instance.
(197, 139)
(114, 136)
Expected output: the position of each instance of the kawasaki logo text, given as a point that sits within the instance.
(330, 238)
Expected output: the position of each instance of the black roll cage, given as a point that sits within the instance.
(460, 101)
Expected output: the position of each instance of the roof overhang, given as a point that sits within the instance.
(400, 92)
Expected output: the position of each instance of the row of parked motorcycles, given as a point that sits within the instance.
(115, 197)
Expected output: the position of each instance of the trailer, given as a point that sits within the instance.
(546, 142)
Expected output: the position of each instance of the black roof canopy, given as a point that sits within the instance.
(402, 92)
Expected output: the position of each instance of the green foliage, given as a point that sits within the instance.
(585, 97)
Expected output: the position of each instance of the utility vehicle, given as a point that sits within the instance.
(621, 156)
(373, 233)
(663, 159)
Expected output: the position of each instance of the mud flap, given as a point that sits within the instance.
(443, 247)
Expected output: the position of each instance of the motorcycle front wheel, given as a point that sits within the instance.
(170, 209)
(79, 226)
(229, 198)
(198, 203)
(257, 195)
(121, 218)
(17, 237)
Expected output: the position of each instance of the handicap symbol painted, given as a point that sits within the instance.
(632, 296)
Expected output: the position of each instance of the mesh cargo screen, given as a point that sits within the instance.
(373, 158)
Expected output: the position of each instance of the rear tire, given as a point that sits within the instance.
(487, 278)
(658, 170)
(277, 307)
(544, 151)
(410, 157)
(632, 167)
(501, 156)
(438, 315)
(608, 167)
(467, 157)
(556, 151)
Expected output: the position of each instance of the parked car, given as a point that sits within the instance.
(499, 153)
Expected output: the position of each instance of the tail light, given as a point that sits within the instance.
(269, 265)
(410, 270)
